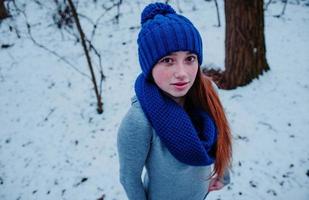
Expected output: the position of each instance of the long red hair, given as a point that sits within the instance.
(202, 94)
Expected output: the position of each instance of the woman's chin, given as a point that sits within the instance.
(178, 94)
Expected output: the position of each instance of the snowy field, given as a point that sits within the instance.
(53, 144)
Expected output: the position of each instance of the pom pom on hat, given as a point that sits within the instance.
(164, 31)
(153, 9)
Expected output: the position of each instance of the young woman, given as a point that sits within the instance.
(176, 127)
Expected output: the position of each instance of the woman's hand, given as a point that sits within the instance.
(215, 184)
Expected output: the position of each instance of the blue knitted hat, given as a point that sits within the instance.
(163, 32)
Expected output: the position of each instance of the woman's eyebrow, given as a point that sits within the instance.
(188, 52)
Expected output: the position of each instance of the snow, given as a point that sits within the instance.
(53, 144)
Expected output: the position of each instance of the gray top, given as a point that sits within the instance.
(165, 177)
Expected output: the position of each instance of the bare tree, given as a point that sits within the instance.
(84, 45)
(245, 52)
(65, 18)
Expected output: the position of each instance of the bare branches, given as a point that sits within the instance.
(83, 42)
(107, 9)
(54, 53)
(102, 76)
(283, 9)
(267, 4)
(35, 42)
(118, 11)
(64, 18)
(87, 18)
(177, 4)
(218, 14)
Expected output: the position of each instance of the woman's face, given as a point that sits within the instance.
(175, 73)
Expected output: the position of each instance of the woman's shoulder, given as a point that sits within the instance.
(136, 106)
(134, 124)
(135, 102)
(135, 116)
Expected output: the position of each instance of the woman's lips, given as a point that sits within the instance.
(180, 85)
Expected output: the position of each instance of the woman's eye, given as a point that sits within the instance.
(166, 60)
(191, 58)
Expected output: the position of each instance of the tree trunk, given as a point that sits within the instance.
(245, 53)
(3, 12)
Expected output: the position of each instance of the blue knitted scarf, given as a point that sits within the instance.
(175, 127)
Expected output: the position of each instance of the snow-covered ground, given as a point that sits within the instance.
(53, 144)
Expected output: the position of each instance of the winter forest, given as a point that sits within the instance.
(67, 72)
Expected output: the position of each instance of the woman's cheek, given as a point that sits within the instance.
(193, 71)
(164, 77)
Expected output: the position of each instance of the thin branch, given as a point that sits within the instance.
(283, 9)
(91, 47)
(101, 16)
(44, 47)
(83, 42)
(218, 14)
(178, 6)
(54, 53)
(267, 4)
(118, 11)
(86, 17)
(102, 76)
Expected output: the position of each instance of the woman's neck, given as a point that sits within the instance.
(179, 100)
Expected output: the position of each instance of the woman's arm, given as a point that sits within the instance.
(133, 143)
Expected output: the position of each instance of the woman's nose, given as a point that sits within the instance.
(180, 71)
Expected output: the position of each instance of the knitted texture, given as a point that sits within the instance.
(163, 31)
(174, 126)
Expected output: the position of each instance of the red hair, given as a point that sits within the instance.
(202, 94)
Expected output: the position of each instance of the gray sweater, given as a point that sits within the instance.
(166, 178)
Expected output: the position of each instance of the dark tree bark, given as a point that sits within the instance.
(245, 53)
(3, 12)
